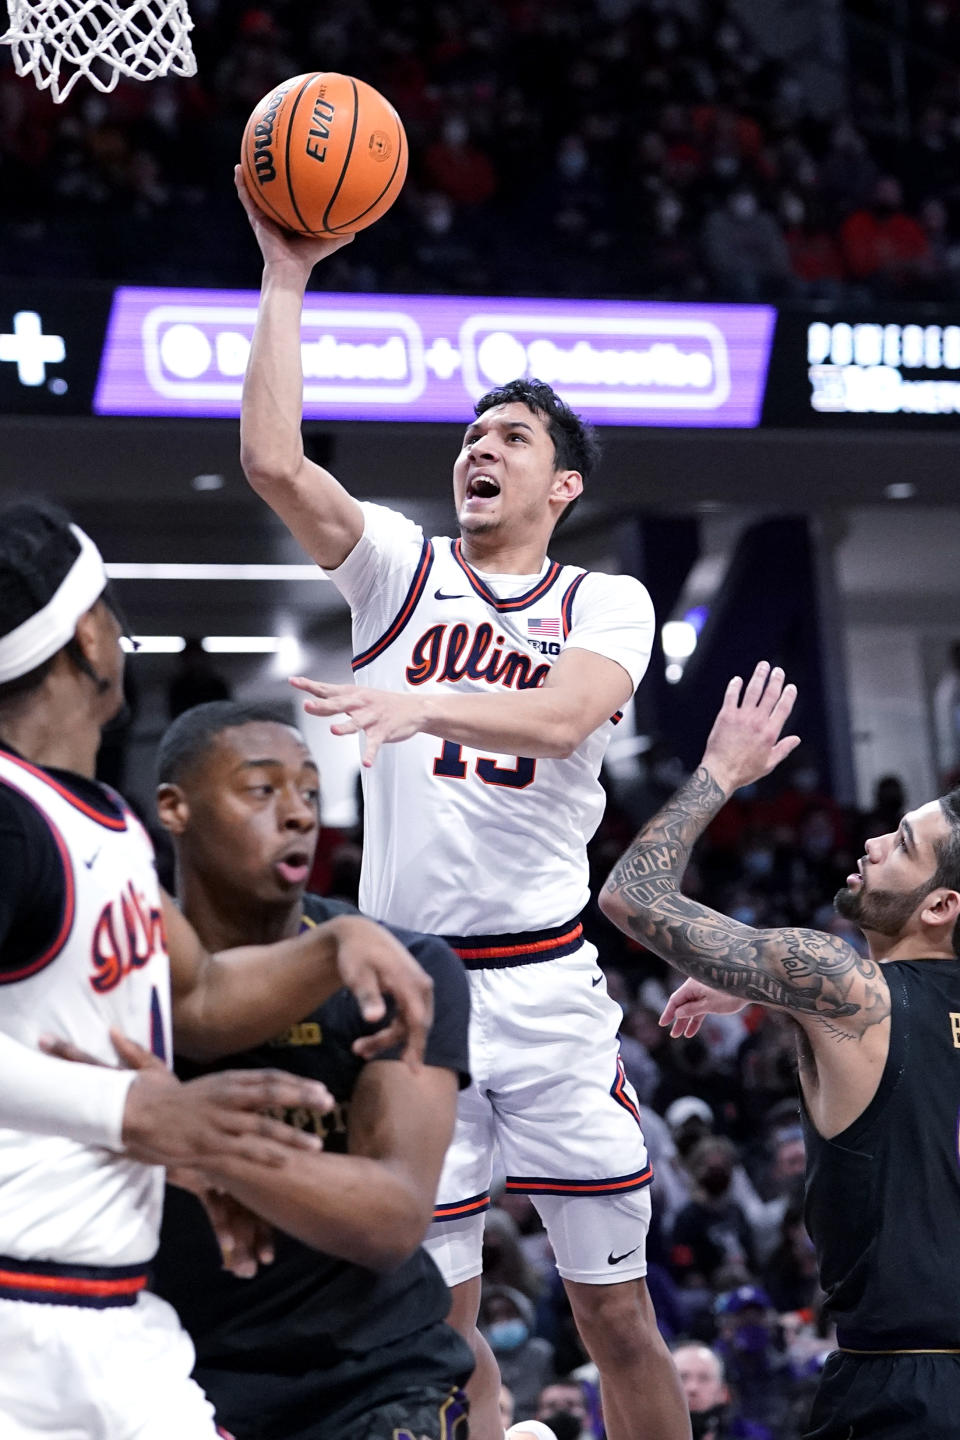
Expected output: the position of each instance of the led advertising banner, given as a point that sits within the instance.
(415, 357)
(897, 368)
(50, 346)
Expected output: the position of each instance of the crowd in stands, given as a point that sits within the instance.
(618, 148)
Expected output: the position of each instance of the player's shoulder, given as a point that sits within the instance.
(601, 589)
(382, 525)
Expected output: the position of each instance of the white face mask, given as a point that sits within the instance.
(743, 205)
(455, 131)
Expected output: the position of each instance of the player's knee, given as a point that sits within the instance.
(615, 1324)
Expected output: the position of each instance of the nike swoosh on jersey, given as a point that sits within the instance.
(439, 595)
(93, 858)
(615, 1259)
(595, 980)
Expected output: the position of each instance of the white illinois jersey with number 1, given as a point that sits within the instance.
(107, 967)
(456, 840)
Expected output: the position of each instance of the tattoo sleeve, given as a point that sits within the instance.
(813, 975)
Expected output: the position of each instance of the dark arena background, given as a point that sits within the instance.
(728, 233)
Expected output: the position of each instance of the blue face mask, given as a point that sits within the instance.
(507, 1334)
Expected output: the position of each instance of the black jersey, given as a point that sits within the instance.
(310, 1334)
(883, 1197)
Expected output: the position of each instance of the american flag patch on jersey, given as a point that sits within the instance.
(543, 627)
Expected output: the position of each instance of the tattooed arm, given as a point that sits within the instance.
(829, 988)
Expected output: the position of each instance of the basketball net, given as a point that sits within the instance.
(58, 41)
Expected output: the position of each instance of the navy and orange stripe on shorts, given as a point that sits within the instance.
(95, 1287)
(500, 952)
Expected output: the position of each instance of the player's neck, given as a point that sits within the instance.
(909, 947)
(497, 556)
(227, 920)
(50, 739)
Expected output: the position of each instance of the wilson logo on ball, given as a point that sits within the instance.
(263, 137)
(334, 150)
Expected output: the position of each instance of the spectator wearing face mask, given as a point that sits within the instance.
(563, 1406)
(751, 1346)
(457, 167)
(712, 1414)
(525, 1359)
(744, 249)
(689, 1121)
(711, 1232)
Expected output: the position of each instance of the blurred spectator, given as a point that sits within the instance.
(751, 1345)
(504, 1262)
(711, 1230)
(701, 1374)
(507, 1406)
(195, 681)
(458, 168)
(885, 245)
(744, 249)
(790, 1275)
(562, 1405)
(525, 1360)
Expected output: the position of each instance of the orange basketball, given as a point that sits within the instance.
(324, 154)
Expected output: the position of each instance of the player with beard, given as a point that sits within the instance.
(343, 1334)
(878, 1044)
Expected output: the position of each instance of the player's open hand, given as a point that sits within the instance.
(745, 744)
(278, 244)
(215, 1117)
(691, 1003)
(372, 963)
(229, 1114)
(384, 716)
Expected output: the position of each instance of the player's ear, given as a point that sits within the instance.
(173, 810)
(942, 907)
(567, 485)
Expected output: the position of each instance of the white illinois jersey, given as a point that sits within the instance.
(62, 1201)
(457, 841)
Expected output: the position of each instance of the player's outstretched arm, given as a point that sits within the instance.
(823, 982)
(239, 998)
(314, 506)
(580, 692)
(373, 1205)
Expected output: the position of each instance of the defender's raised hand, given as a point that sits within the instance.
(745, 744)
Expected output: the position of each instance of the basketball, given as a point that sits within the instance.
(324, 154)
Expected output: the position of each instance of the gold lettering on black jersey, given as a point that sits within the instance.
(308, 1032)
(955, 1028)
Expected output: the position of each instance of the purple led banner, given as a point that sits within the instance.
(416, 357)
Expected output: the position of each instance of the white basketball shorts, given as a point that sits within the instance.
(74, 1372)
(548, 1087)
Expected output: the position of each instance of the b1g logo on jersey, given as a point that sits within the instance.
(127, 935)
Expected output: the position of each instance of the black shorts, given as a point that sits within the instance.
(418, 1417)
(887, 1397)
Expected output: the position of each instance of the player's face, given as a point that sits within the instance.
(254, 813)
(108, 661)
(894, 877)
(505, 473)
